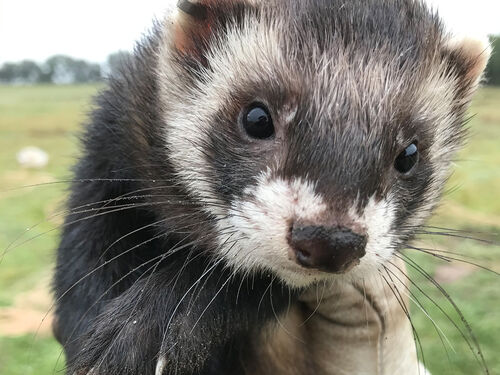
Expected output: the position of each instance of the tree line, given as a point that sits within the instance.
(62, 69)
(493, 69)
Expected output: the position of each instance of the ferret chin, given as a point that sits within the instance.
(252, 151)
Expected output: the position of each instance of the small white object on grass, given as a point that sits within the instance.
(32, 157)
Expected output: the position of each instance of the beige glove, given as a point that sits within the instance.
(355, 330)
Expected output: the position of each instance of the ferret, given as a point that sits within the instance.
(248, 152)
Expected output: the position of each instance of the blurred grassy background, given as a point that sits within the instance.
(49, 117)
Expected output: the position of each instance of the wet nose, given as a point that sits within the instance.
(329, 249)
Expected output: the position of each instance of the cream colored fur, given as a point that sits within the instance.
(349, 329)
(476, 50)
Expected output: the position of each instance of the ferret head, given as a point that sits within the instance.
(317, 134)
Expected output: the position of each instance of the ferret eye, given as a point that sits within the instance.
(258, 122)
(407, 160)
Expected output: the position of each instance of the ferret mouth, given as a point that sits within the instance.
(334, 250)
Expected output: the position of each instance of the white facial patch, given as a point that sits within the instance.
(378, 217)
(263, 219)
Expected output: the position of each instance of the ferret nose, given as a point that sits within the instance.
(328, 249)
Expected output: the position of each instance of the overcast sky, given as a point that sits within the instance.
(91, 29)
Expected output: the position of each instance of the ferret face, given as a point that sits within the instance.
(317, 134)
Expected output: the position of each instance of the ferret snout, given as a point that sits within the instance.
(329, 249)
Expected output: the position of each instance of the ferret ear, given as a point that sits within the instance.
(196, 21)
(468, 57)
(191, 23)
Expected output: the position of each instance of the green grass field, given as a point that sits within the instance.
(49, 117)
